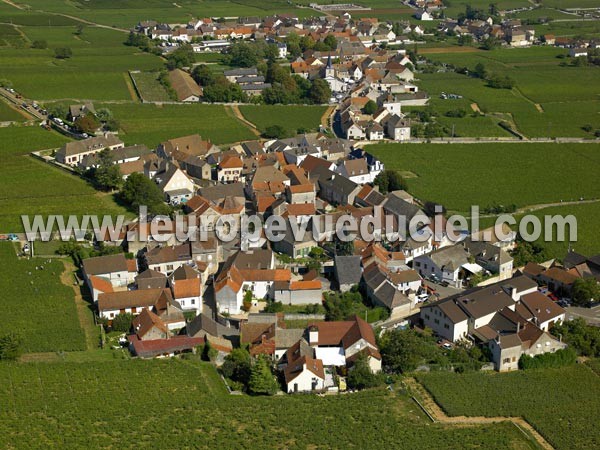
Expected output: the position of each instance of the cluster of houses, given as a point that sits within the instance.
(511, 31)
(358, 58)
(162, 286)
(208, 34)
(513, 316)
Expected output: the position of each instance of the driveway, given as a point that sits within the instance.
(443, 291)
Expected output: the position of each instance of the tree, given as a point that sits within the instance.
(139, 190)
(58, 110)
(480, 71)
(490, 43)
(203, 75)
(388, 181)
(340, 306)
(86, 124)
(262, 381)
(330, 41)
(236, 366)
(500, 82)
(107, 175)
(361, 376)
(465, 39)
(63, 53)
(242, 54)
(526, 252)
(275, 132)
(320, 91)
(39, 44)
(405, 350)
(579, 335)
(183, 56)
(247, 302)
(10, 346)
(306, 43)
(112, 125)
(104, 114)
(122, 322)
(370, 107)
(137, 40)
(585, 291)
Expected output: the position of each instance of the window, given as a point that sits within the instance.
(112, 315)
(427, 316)
(506, 361)
(437, 321)
(193, 301)
(446, 326)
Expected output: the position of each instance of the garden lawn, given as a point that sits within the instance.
(58, 404)
(29, 186)
(151, 124)
(461, 175)
(554, 401)
(36, 305)
(290, 117)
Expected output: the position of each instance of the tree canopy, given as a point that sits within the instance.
(139, 190)
(262, 381)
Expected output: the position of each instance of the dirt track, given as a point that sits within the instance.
(440, 416)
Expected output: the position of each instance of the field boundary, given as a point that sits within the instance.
(438, 415)
(237, 113)
(83, 313)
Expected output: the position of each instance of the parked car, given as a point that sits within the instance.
(422, 297)
(433, 278)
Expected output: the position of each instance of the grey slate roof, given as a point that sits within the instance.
(347, 269)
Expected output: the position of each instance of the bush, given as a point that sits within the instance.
(122, 322)
(10, 346)
(63, 53)
(275, 132)
(39, 44)
(560, 358)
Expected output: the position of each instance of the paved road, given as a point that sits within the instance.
(12, 98)
(591, 315)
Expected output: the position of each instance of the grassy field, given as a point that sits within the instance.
(558, 91)
(8, 114)
(149, 87)
(94, 404)
(521, 174)
(127, 13)
(29, 186)
(96, 71)
(557, 402)
(10, 36)
(150, 124)
(37, 305)
(588, 217)
(291, 118)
